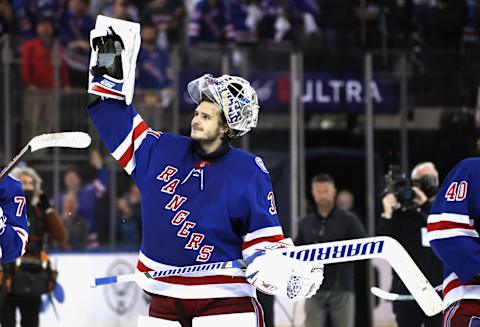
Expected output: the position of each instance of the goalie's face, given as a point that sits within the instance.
(207, 126)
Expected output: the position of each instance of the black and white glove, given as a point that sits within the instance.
(115, 44)
(109, 61)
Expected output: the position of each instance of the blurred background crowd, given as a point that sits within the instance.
(45, 60)
(425, 89)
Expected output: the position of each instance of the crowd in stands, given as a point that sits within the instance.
(336, 24)
(40, 31)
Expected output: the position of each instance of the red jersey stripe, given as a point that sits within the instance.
(447, 225)
(100, 89)
(274, 238)
(127, 156)
(456, 283)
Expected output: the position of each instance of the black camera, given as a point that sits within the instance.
(397, 183)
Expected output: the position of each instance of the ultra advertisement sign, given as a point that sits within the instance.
(322, 92)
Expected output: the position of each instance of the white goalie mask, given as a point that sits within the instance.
(235, 96)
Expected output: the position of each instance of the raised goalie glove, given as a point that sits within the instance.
(275, 274)
(115, 44)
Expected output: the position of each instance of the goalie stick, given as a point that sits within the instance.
(383, 247)
(394, 296)
(77, 140)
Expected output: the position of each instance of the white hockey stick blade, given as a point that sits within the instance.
(378, 292)
(383, 247)
(78, 140)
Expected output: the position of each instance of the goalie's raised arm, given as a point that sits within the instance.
(115, 44)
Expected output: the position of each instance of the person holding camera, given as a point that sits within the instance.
(31, 276)
(406, 205)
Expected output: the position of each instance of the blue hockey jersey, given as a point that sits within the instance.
(452, 233)
(14, 237)
(193, 210)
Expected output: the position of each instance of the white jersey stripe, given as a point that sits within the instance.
(23, 236)
(133, 163)
(127, 141)
(453, 217)
(194, 291)
(263, 232)
(448, 233)
(462, 292)
(197, 291)
(448, 279)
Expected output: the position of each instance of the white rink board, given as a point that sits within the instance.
(120, 305)
(106, 306)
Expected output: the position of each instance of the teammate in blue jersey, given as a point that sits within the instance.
(453, 233)
(202, 199)
(13, 220)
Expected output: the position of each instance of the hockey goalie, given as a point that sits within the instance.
(202, 199)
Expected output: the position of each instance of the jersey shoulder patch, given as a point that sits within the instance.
(261, 165)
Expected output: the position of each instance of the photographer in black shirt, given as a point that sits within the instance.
(406, 205)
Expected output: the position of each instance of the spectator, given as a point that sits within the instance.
(245, 15)
(443, 24)
(5, 18)
(28, 13)
(338, 22)
(76, 225)
(399, 23)
(274, 26)
(305, 14)
(328, 223)
(131, 217)
(154, 76)
(38, 78)
(208, 30)
(210, 23)
(87, 195)
(345, 200)
(32, 275)
(167, 16)
(74, 37)
(471, 26)
(121, 9)
(407, 224)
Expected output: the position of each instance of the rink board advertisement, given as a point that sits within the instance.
(322, 92)
(120, 305)
(107, 306)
